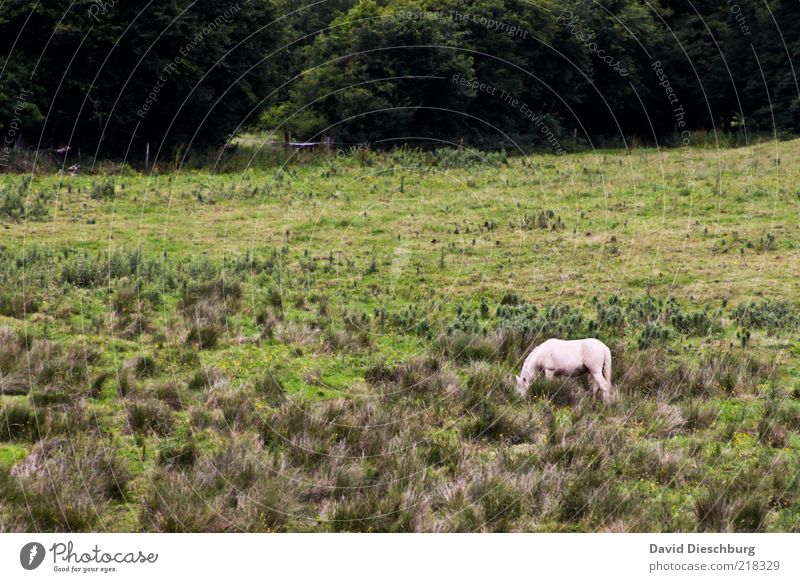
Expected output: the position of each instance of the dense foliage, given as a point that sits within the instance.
(108, 77)
(479, 71)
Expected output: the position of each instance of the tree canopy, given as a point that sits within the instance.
(108, 76)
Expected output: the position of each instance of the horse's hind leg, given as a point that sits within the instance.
(601, 385)
(595, 387)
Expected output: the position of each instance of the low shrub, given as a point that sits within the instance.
(18, 421)
(150, 417)
(68, 485)
(270, 388)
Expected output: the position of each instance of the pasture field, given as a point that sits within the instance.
(330, 345)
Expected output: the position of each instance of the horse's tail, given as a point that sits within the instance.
(607, 367)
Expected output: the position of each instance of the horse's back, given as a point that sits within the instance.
(589, 350)
(593, 341)
(588, 343)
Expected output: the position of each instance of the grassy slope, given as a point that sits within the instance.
(693, 225)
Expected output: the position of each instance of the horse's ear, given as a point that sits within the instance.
(517, 378)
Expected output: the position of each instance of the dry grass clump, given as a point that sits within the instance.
(148, 416)
(653, 373)
(466, 347)
(425, 377)
(347, 340)
(128, 315)
(269, 388)
(654, 460)
(204, 378)
(28, 422)
(699, 414)
(231, 407)
(64, 485)
(18, 421)
(297, 334)
(205, 308)
(667, 421)
(27, 363)
(242, 488)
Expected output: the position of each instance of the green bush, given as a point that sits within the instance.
(104, 190)
(18, 421)
(769, 315)
(21, 203)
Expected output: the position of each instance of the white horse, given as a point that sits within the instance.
(570, 358)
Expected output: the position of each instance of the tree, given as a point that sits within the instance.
(112, 78)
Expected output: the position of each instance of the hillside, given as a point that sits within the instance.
(330, 345)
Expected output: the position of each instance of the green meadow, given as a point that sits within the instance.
(329, 343)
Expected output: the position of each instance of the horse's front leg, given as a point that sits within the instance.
(549, 373)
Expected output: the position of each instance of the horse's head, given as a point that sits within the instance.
(523, 383)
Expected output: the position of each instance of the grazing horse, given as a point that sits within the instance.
(570, 358)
